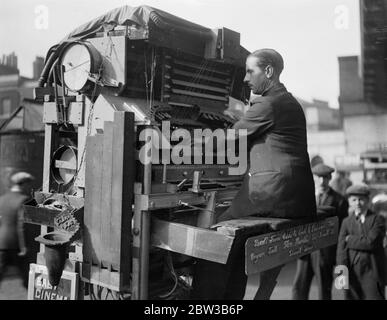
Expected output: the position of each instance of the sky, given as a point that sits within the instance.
(309, 34)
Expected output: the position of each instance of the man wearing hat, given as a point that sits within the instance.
(360, 247)
(320, 263)
(12, 244)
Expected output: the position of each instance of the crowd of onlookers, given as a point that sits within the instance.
(362, 244)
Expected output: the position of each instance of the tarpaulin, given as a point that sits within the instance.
(139, 16)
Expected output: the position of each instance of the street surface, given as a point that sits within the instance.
(12, 289)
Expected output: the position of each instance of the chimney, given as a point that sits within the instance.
(351, 86)
(9, 60)
(38, 65)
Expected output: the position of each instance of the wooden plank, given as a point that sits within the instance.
(117, 196)
(93, 184)
(123, 171)
(241, 226)
(136, 267)
(170, 200)
(270, 250)
(49, 146)
(106, 217)
(191, 241)
(257, 225)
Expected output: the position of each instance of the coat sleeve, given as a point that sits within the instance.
(342, 254)
(258, 119)
(370, 241)
(342, 210)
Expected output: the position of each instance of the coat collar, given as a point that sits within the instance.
(271, 90)
(274, 89)
(368, 214)
(327, 196)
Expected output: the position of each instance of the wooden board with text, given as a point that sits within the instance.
(269, 250)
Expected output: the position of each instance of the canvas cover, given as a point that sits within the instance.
(139, 16)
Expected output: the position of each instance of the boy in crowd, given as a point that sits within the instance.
(360, 247)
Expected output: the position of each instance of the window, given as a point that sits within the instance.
(6, 107)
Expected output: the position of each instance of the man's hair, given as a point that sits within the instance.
(269, 57)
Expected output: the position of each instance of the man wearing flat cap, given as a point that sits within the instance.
(320, 263)
(360, 247)
(12, 243)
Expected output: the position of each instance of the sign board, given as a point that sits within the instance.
(39, 287)
(269, 250)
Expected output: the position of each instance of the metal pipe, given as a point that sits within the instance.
(147, 178)
(200, 67)
(144, 254)
(164, 174)
(200, 95)
(200, 76)
(199, 86)
(64, 102)
(144, 228)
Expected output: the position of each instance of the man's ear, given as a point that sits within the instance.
(269, 71)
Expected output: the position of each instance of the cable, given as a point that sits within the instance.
(195, 207)
(172, 269)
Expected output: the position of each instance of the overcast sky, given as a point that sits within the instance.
(310, 34)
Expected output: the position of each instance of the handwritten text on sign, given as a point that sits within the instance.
(267, 251)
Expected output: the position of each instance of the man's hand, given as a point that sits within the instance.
(22, 252)
(231, 115)
(346, 238)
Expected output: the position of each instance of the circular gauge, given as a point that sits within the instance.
(64, 164)
(78, 61)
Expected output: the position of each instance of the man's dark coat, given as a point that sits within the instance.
(279, 181)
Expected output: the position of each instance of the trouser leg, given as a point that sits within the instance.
(303, 279)
(354, 291)
(23, 266)
(323, 269)
(3, 263)
(372, 288)
(267, 283)
(210, 280)
(237, 281)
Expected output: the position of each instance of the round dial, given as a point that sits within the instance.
(64, 164)
(78, 62)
